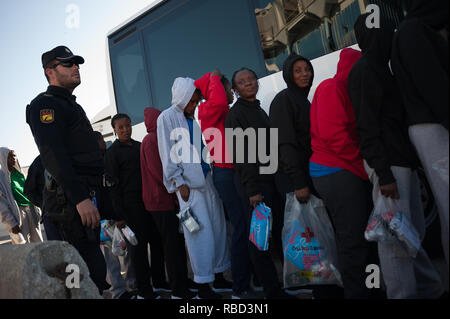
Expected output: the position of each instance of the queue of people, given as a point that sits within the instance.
(363, 136)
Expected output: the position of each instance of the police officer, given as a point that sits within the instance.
(72, 159)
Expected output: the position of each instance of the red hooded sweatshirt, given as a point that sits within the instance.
(154, 193)
(212, 114)
(334, 139)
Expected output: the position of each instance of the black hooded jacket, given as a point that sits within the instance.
(420, 62)
(289, 113)
(379, 112)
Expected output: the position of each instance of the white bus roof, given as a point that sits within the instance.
(135, 16)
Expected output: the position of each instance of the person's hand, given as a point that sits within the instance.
(255, 200)
(216, 72)
(121, 224)
(15, 230)
(390, 191)
(303, 195)
(184, 192)
(89, 214)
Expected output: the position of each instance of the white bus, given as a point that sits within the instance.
(189, 38)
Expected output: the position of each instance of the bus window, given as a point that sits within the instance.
(311, 28)
(130, 78)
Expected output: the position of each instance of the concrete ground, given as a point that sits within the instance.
(438, 262)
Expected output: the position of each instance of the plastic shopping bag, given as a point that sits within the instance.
(188, 219)
(119, 246)
(260, 227)
(388, 223)
(130, 235)
(440, 168)
(106, 232)
(17, 239)
(310, 253)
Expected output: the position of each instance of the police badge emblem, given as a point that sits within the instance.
(47, 116)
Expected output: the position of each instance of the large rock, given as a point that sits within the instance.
(39, 271)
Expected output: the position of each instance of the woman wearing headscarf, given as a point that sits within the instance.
(390, 160)
(186, 173)
(423, 36)
(16, 210)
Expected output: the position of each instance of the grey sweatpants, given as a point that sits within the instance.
(406, 277)
(208, 248)
(431, 143)
(31, 229)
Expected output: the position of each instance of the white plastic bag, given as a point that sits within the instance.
(388, 223)
(129, 235)
(310, 253)
(189, 220)
(17, 239)
(119, 246)
(107, 233)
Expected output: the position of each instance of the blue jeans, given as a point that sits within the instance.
(224, 181)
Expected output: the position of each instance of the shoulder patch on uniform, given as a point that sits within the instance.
(47, 94)
(47, 116)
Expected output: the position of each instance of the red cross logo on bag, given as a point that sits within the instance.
(307, 235)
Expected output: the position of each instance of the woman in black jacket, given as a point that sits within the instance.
(257, 186)
(289, 113)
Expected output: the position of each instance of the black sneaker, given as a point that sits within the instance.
(127, 295)
(162, 287)
(281, 295)
(185, 295)
(205, 292)
(222, 285)
(148, 295)
(193, 286)
(247, 294)
(257, 285)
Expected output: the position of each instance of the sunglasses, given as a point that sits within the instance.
(67, 64)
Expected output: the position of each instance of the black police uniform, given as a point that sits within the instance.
(70, 153)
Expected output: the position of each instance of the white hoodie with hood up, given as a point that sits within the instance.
(180, 159)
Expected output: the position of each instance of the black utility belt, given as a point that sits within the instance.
(98, 181)
(92, 181)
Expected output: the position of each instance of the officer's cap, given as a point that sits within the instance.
(62, 54)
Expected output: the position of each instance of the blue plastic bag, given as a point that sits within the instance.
(260, 227)
(106, 232)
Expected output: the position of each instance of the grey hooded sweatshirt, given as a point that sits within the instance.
(180, 159)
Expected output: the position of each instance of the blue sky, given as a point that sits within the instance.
(30, 27)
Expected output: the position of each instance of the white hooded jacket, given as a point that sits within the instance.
(9, 211)
(179, 168)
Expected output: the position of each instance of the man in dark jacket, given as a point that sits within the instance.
(390, 160)
(122, 161)
(34, 187)
(423, 36)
